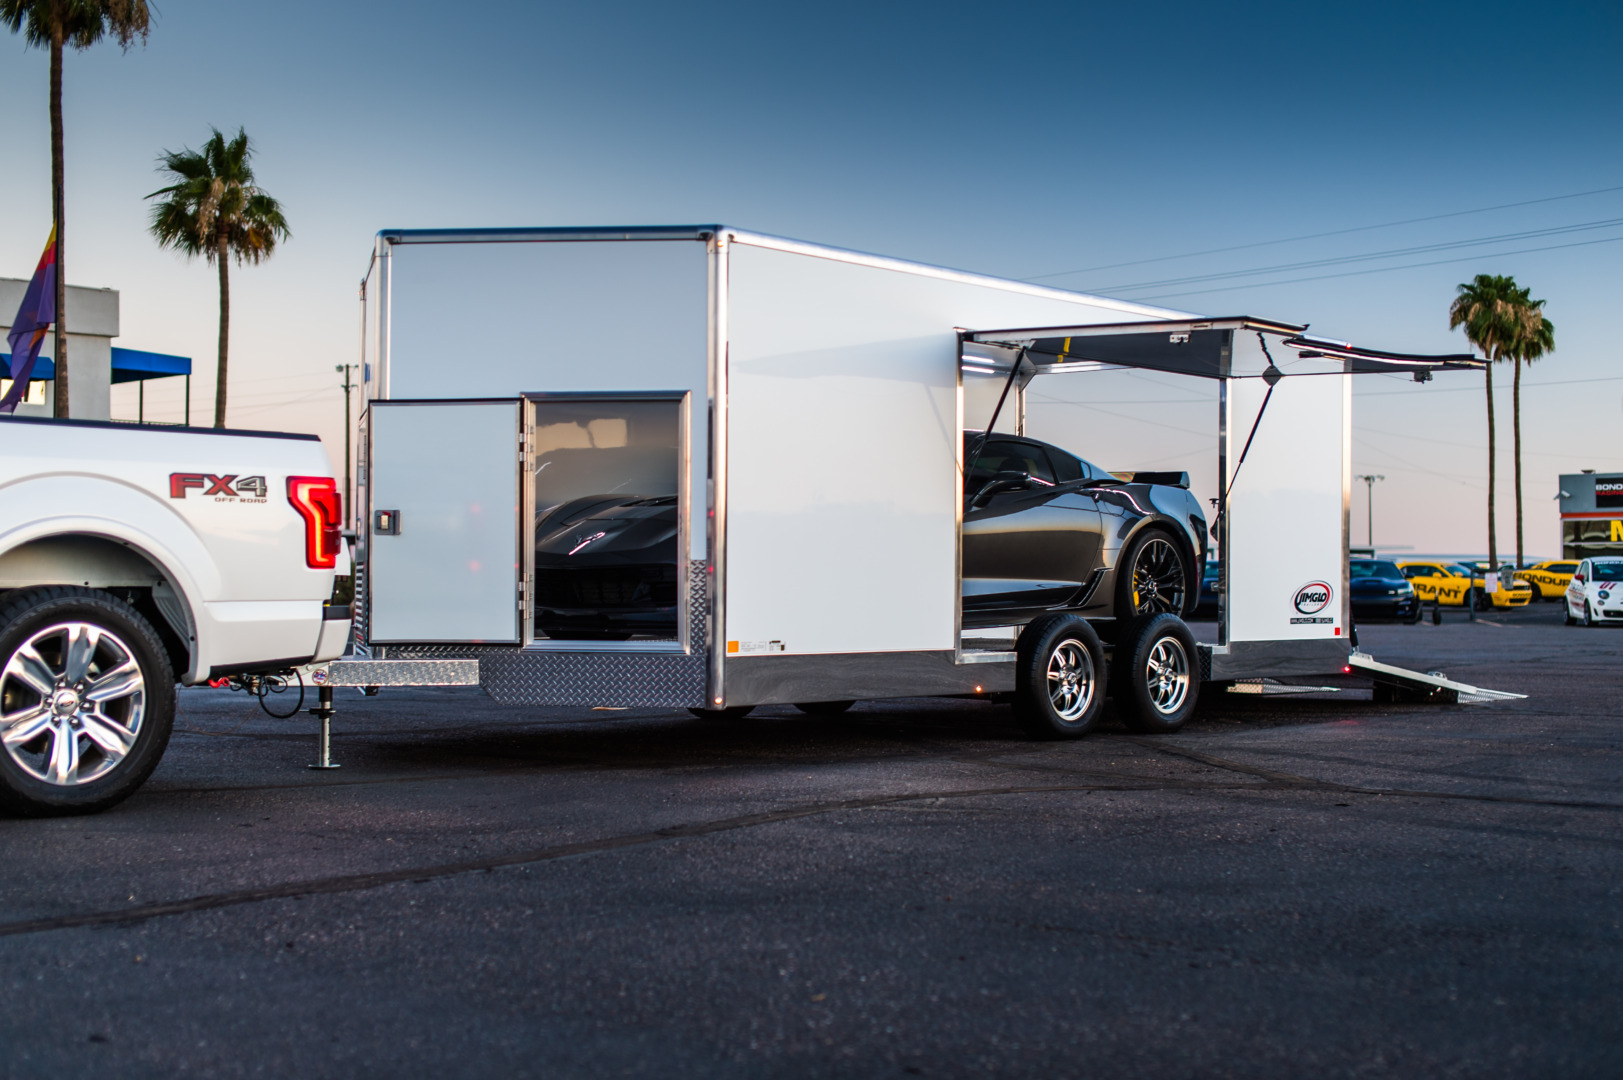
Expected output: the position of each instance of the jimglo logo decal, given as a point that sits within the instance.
(220, 488)
(1311, 599)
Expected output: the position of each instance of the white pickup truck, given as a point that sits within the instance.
(135, 558)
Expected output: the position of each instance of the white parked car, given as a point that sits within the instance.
(1595, 595)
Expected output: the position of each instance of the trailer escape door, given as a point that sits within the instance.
(443, 524)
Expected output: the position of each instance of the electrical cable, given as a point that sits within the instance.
(276, 685)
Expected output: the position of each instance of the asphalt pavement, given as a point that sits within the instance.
(1292, 886)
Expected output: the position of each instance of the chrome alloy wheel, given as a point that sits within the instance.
(1167, 675)
(1158, 579)
(72, 698)
(1071, 682)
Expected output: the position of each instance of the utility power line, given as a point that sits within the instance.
(1333, 232)
(1381, 269)
(1392, 253)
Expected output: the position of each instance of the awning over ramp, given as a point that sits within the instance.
(1201, 347)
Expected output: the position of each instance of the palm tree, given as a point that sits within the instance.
(214, 209)
(51, 24)
(1485, 306)
(1535, 336)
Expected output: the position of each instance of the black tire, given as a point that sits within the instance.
(823, 708)
(1059, 678)
(1566, 612)
(732, 712)
(1153, 577)
(1159, 683)
(98, 733)
(1589, 614)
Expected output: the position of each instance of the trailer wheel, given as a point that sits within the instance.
(1160, 682)
(823, 708)
(732, 712)
(1059, 678)
(87, 700)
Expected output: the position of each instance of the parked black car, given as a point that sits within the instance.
(605, 568)
(1379, 591)
(1207, 606)
(1043, 532)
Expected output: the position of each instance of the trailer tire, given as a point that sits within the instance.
(731, 712)
(79, 730)
(823, 708)
(1159, 684)
(1059, 678)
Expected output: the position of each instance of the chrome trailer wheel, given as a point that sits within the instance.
(86, 700)
(1162, 676)
(1059, 677)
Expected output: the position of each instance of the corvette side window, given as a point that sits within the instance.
(1067, 468)
(1009, 457)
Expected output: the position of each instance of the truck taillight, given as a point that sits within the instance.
(318, 503)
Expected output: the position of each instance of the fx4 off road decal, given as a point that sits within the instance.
(248, 489)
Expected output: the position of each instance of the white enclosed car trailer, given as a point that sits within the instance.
(812, 403)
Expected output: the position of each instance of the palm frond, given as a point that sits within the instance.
(80, 23)
(212, 197)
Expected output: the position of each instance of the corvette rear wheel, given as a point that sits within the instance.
(1152, 578)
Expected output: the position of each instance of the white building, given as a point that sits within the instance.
(94, 362)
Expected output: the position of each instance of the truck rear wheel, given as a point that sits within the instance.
(87, 701)
(1059, 678)
(1159, 683)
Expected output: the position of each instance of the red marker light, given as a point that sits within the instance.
(317, 500)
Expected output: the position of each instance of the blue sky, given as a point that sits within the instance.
(1014, 140)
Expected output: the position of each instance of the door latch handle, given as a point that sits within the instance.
(385, 523)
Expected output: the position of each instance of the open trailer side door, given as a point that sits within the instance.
(443, 522)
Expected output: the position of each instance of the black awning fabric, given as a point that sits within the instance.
(1195, 347)
(1193, 352)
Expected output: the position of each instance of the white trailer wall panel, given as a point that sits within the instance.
(843, 428)
(1288, 506)
(497, 319)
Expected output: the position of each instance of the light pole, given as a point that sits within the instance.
(1369, 502)
(349, 503)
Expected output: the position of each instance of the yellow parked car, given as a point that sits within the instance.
(1549, 578)
(1448, 583)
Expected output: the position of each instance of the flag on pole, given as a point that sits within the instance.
(34, 317)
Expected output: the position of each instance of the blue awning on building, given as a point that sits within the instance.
(129, 365)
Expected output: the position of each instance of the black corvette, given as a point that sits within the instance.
(1043, 532)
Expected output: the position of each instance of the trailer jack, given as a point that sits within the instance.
(324, 712)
